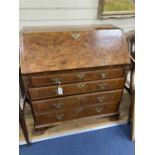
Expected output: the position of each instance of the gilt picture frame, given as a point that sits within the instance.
(116, 9)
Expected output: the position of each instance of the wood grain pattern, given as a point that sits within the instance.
(80, 112)
(59, 104)
(72, 89)
(52, 79)
(47, 51)
(90, 63)
(77, 126)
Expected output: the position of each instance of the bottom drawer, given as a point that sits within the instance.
(80, 112)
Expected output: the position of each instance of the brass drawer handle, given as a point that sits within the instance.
(59, 117)
(81, 98)
(102, 86)
(101, 99)
(55, 80)
(79, 109)
(58, 105)
(98, 110)
(81, 76)
(103, 75)
(81, 85)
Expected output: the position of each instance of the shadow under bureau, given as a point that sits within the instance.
(72, 73)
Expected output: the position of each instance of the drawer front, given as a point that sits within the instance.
(51, 79)
(77, 88)
(59, 104)
(76, 113)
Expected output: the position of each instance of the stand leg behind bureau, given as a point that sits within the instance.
(28, 101)
(23, 126)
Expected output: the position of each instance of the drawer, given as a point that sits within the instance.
(70, 102)
(80, 112)
(52, 79)
(76, 88)
(53, 118)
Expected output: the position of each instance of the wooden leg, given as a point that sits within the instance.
(23, 126)
(133, 119)
(128, 89)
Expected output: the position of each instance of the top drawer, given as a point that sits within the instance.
(52, 79)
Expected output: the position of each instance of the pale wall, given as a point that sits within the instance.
(65, 12)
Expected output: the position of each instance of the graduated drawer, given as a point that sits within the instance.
(80, 112)
(70, 102)
(76, 88)
(52, 79)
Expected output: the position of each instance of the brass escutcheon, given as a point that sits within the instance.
(99, 110)
(58, 105)
(102, 86)
(103, 75)
(101, 99)
(59, 117)
(81, 76)
(55, 80)
(79, 109)
(81, 98)
(81, 85)
(75, 35)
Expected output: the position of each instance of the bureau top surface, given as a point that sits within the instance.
(55, 49)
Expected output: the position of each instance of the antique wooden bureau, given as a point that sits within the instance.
(73, 73)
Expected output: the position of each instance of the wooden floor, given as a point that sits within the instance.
(76, 126)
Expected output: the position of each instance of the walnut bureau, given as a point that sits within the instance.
(73, 73)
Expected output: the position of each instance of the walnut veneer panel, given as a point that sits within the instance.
(76, 88)
(76, 49)
(45, 119)
(87, 65)
(59, 104)
(52, 79)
